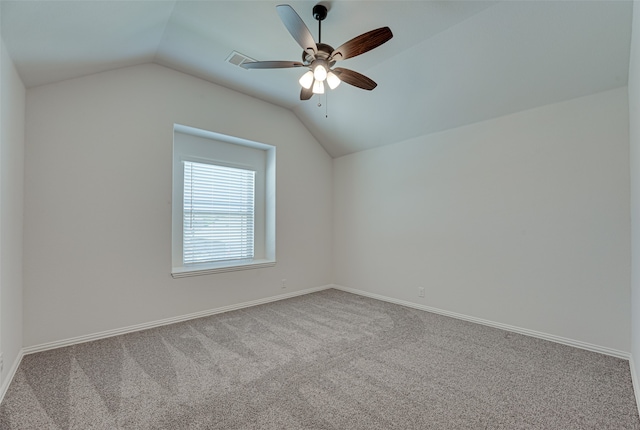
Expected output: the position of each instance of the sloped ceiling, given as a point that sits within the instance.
(450, 63)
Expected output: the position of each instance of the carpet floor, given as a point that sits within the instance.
(328, 360)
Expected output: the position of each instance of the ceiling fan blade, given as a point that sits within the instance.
(306, 94)
(354, 78)
(297, 28)
(361, 44)
(271, 64)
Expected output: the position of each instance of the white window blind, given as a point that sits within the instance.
(218, 213)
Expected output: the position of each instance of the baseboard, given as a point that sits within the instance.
(173, 320)
(635, 382)
(12, 372)
(145, 326)
(540, 335)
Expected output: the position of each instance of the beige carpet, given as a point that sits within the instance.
(329, 360)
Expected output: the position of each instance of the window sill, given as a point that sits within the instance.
(210, 269)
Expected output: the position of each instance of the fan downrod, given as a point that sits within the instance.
(319, 13)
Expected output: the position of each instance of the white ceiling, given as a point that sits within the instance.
(450, 63)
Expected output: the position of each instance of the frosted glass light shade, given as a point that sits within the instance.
(333, 80)
(318, 87)
(307, 80)
(320, 73)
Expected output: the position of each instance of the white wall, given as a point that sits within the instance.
(521, 220)
(634, 139)
(12, 117)
(98, 201)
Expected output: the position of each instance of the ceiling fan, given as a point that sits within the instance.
(320, 57)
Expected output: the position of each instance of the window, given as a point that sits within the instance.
(218, 222)
(223, 208)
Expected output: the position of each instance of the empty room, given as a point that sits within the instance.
(319, 215)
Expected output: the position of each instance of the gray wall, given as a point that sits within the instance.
(98, 201)
(12, 112)
(634, 139)
(521, 220)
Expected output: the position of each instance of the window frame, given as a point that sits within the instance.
(202, 146)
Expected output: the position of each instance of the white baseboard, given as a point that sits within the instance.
(636, 383)
(12, 372)
(145, 326)
(540, 335)
(138, 327)
(152, 324)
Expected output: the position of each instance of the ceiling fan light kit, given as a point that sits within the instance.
(306, 80)
(333, 80)
(318, 87)
(320, 57)
(319, 70)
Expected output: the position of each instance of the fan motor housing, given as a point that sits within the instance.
(324, 51)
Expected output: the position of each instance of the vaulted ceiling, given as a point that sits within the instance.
(450, 63)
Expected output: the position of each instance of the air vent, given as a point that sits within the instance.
(237, 59)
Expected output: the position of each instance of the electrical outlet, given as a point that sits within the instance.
(284, 284)
(420, 291)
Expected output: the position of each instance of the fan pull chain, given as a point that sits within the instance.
(326, 105)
